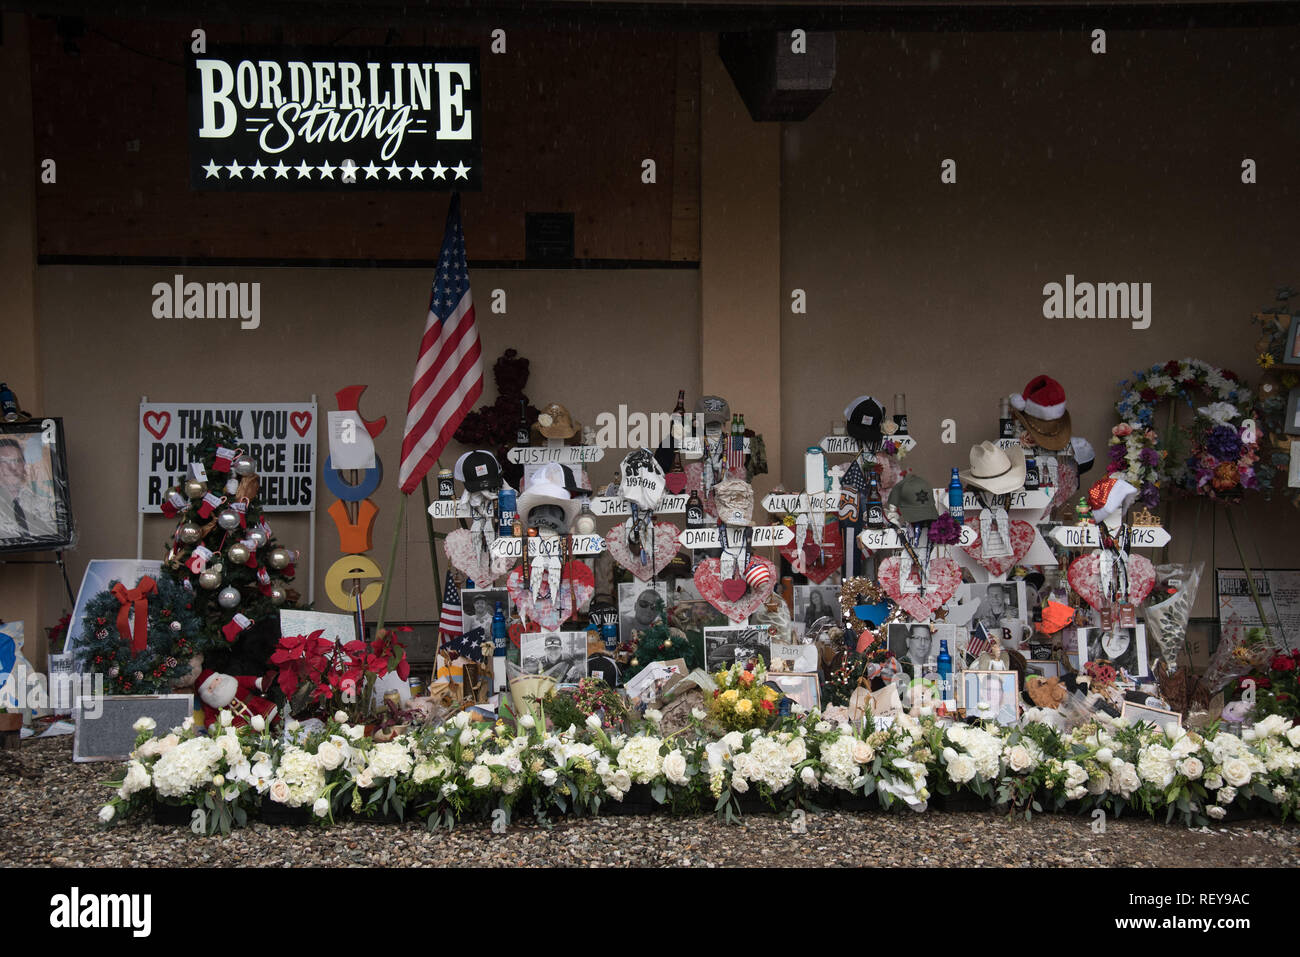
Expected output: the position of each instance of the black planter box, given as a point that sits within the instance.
(281, 814)
(172, 815)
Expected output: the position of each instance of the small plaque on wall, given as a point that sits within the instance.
(548, 237)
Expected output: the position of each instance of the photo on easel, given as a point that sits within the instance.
(35, 506)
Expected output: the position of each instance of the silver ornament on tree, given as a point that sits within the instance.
(257, 537)
(228, 597)
(239, 553)
(228, 519)
(277, 595)
(279, 558)
(190, 533)
(243, 465)
(210, 578)
(193, 488)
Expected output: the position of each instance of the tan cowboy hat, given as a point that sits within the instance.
(554, 422)
(995, 470)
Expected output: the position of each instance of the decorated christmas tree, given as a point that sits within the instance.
(224, 553)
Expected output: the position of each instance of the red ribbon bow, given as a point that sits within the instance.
(137, 600)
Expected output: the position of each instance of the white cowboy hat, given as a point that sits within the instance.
(995, 470)
(546, 487)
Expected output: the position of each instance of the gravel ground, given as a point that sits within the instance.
(48, 819)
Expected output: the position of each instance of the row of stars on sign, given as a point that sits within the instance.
(347, 169)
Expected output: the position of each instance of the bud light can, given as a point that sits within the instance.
(506, 510)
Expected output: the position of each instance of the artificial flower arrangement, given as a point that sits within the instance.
(1216, 458)
(320, 676)
(741, 700)
(465, 769)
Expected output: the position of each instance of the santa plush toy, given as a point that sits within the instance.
(237, 694)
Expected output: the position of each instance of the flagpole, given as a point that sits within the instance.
(392, 563)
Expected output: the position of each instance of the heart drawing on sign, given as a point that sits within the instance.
(1085, 578)
(301, 422)
(1022, 538)
(940, 585)
(717, 591)
(157, 423)
(664, 550)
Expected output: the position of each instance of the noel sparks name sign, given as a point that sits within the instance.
(331, 118)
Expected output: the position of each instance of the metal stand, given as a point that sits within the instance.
(56, 560)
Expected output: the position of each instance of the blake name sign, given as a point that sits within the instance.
(271, 118)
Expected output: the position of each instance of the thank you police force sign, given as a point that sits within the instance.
(334, 118)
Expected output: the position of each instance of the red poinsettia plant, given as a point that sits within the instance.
(324, 676)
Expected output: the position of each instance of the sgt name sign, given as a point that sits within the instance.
(280, 438)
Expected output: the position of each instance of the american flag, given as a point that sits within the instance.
(468, 645)
(735, 451)
(979, 641)
(451, 622)
(449, 373)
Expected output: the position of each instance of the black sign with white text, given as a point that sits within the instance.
(334, 118)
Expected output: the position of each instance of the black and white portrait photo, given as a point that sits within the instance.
(478, 606)
(814, 604)
(913, 645)
(1124, 648)
(641, 606)
(560, 654)
(992, 695)
(723, 647)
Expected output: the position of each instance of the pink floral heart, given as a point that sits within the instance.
(940, 585)
(465, 558)
(1022, 538)
(733, 588)
(714, 589)
(820, 565)
(664, 551)
(1085, 579)
(575, 591)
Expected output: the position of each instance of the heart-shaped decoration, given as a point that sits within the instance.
(675, 482)
(1067, 483)
(715, 590)
(465, 558)
(820, 564)
(1022, 538)
(1085, 579)
(301, 422)
(940, 585)
(157, 423)
(734, 588)
(664, 551)
(576, 589)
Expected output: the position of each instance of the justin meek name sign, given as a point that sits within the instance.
(334, 118)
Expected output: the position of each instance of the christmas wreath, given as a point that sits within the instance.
(1216, 457)
(141, 639)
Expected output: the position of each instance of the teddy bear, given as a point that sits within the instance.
(1045, 692)
(237, 694)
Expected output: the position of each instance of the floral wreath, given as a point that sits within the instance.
(1222, 447)
(141, 639)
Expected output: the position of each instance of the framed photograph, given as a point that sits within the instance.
(1045, 668)
(1292, 355)
(816, 607)
(804, 690)
(1291, 424)
(1122, 647)
(478, 605)
(560, 654)
(723, 647)
(995, 692)
(641, 606)
(35, 506)
(1162, 719)
(691, 613)
(650, 680)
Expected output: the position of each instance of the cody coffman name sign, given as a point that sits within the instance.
(334, 118)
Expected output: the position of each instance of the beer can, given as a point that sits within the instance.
(506, 509)
(446, 485)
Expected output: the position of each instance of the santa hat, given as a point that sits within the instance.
(1043, 398)
(1110, 496)
(204, 675)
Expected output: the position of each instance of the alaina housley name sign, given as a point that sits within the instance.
(334, 118)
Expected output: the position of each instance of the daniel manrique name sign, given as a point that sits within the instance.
(334, 118)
